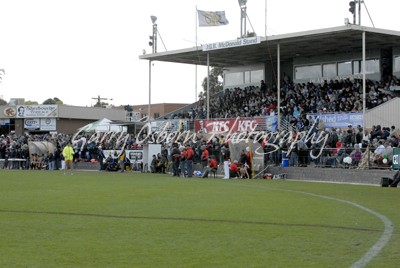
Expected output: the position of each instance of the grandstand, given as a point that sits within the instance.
(312, 75)
(317, 61)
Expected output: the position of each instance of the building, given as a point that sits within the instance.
(53, 118)
(157, 110)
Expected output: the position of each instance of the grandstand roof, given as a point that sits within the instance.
(336, 40)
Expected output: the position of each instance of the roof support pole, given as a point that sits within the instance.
(364, 82)
(208, 86)
(278, 83)
(148, 108)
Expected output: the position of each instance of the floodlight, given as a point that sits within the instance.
(153, 19)
(242, 2)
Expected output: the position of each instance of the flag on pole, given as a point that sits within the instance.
(212, 18)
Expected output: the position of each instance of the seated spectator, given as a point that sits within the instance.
(244, 174)
(356, 155)
(213, 164)
(212, 167)
(234, 171)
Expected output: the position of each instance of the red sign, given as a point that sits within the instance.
(229, 125)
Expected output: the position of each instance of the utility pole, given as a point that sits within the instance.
(98, 104)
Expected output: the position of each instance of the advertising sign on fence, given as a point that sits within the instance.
(342, 120)
(396, 153)
(233, 125)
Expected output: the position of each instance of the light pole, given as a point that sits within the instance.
(243, 16)
(153, 37)
(153, 44)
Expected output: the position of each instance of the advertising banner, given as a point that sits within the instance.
(42, 124)
(342, 120)
(4, 122)
(36, 111)
(169, 125)
(268, 123)
(396, 153)
(48, 124)
(135, 156)
(32, 124)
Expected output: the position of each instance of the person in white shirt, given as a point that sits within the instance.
(380, 150)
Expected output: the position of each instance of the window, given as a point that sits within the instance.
(232, 79)
(257, 76)
(356, 67)
(247, 77)
(308, 72)
(344, 68)
(329, 70)
(396, 64)
(371, 66)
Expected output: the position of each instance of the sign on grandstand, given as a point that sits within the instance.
(268, 123)
(169, 125)
(342, 120)
(232, 43)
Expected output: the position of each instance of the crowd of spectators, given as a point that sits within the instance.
(377, 145)
(297, 100)
(332, 96)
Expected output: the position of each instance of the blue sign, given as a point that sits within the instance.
(339, 120)
(271, 123)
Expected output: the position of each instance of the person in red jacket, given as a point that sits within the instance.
(182, 160)
(204, 157)
(234, 171)
(213, 164)
(189, 160)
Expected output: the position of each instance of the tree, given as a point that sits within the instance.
(101, 104)
(2, 102)
(215, 81)
(52, 101)
(29, 102)
(251, 34)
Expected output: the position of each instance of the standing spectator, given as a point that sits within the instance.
(204, 156)
(57, 158)
(189, 160)
(153, 164)
(51, 160)
(396, 179)
(101, 157)
(175, 160)
(121, 160)
(226, 155)
(182, 159)
(68, 153)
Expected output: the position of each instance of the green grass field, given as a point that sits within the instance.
(99, 219)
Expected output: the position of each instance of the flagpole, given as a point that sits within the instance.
(265, 18)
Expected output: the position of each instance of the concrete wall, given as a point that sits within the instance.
(337, 175)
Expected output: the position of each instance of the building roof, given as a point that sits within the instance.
(336, 40)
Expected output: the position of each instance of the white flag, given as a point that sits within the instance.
(212, 18)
